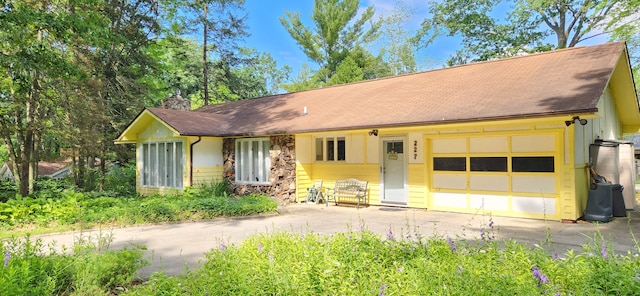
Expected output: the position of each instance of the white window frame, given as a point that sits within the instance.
(253, 161)
(152, 163)
(325, 148)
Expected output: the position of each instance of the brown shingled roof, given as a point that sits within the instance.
(189, 123)
(565, 81)
(46, 168)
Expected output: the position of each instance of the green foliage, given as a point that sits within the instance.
(347, 71)
(626, 26)
(4, 154)
(488, 32)
(35, 40)
(362, 263)
(336, 33)
(52, 209)
(121, 180)
(395, 41)
(8, 190)
(31, 269)
(304, 80)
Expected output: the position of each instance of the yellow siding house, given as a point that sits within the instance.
(508, 137)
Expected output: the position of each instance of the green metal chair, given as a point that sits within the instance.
(314, 194)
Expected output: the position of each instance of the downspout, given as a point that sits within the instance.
(191, 160)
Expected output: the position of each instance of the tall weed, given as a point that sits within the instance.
(30, 268)
(363, 263)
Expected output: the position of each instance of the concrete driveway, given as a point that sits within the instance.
(173, 247)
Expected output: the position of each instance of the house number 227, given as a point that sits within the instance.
(415, 149)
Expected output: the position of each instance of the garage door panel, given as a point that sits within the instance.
(533, 143)
(450, 181)
(489, 144)
(489, 183)
(537, 205)
(534, 184)
(489, 202)
(450, 145)
(450, 200)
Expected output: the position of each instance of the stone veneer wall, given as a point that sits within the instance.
(282, 173)
(176, 103)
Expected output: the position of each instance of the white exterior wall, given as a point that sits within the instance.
(208, 152)
(303, 149)
(605, 127)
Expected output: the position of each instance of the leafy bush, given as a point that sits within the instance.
(363, 263)
(68, 208)
(121, 180)
(48, 187)
(30, 269)
(8, 190)
(158, 210)
(231, 206)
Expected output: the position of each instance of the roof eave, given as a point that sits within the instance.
(408, 124)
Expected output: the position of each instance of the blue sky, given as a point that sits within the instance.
(268, 35)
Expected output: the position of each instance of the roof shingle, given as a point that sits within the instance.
(565, 81)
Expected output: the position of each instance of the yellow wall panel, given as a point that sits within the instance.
(207, 175)
(303, 181)
(329, 173)
(417, 180)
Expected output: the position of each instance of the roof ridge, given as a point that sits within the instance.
(555, 51)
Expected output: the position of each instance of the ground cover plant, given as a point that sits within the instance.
(57, 209)
(364, 263)
(90, 268)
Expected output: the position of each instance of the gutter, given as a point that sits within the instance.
(191, 160)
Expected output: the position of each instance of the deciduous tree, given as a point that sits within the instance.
(34, 60)
(396, 48)
(524, 28)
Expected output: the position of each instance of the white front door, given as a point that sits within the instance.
(394, 171)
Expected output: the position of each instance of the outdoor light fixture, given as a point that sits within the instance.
(373, 132)
(573, 121)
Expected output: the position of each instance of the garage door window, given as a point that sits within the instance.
(456, 164)
(541, 164)
(488, 164)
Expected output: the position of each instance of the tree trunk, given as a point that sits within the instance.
(205, 68)
(103, 169)
(80, 171)
(33, 161)
(24, 164)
